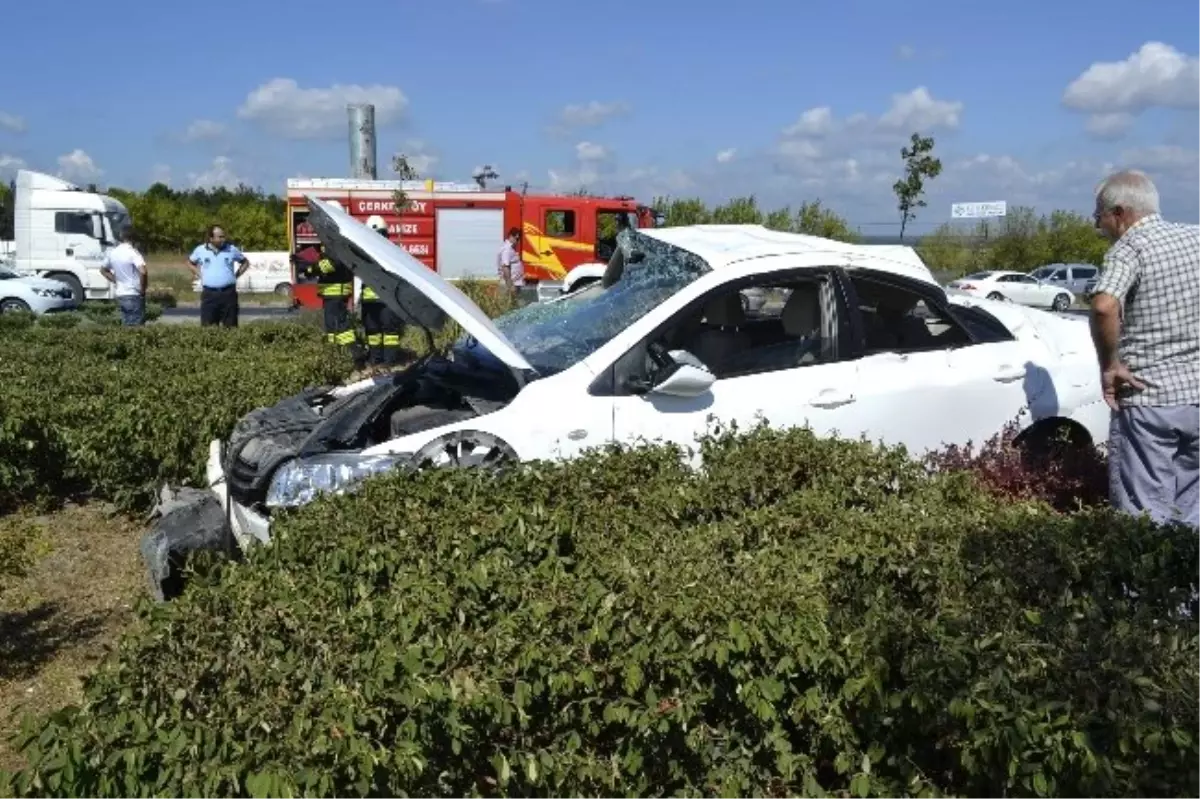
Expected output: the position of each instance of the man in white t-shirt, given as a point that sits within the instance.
(125, 267)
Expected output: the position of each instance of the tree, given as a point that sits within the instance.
(404, 171)
(8, 196)
(811, 218)
(815, 220)
(1022, 241)
(483, 174)
(919, 166)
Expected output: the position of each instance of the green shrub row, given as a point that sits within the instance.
(114, 413)
(98, 313)
(807, 616)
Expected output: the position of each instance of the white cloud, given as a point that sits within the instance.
(78, 167)
(219, 173)
(1162, 157)
(725, 156)
(854, 158)
(919, 110)
(906, 52)
(203, 130)
(1109, 126)
(419, 156)
(813, 122)
(1157, 75)
(9, 164)
(594, 168)
(818, 133)
(12, 123)
(645, 182)
(591, 115)
(799, 149)
(285, 109)
(590, 151)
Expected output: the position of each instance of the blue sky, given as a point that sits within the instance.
(790, 101)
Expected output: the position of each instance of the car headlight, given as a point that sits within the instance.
(299, 481)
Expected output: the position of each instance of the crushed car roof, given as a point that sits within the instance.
(725, 245)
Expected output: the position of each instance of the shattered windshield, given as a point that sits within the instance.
(556, 336)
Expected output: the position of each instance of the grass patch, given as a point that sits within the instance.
(61, 612)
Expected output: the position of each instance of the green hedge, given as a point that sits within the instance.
(807, 617)
(102, 313)
(114, 413)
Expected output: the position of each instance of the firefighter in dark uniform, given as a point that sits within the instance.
(382, 327)
(335, 284)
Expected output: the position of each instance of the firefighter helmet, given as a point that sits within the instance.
(376, 223)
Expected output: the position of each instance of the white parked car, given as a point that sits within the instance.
(863, 343)
(1015, 287)
(38, 295)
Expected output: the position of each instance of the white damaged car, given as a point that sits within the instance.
(855, 341)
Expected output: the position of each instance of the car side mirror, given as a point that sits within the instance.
(683, 380)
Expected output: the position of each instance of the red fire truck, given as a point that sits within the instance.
(456, 229)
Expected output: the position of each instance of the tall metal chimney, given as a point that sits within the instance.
(362, 141)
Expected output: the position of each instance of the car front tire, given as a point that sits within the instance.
(14, 305)
(995, 295)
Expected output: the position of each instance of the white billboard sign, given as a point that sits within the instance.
(978, 210)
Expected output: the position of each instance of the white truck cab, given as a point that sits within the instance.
(62, 232)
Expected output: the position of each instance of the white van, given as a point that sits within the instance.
(269, 272)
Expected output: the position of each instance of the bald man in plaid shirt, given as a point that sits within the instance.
(1146, 328)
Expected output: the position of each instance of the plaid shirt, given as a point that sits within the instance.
(1154, 270)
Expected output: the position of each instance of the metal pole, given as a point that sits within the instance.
(362, 141)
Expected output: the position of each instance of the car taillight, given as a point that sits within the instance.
(967, 286)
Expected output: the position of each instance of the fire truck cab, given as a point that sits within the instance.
(456, 229)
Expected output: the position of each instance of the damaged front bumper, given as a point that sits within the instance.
(194, 519)
(246, 524)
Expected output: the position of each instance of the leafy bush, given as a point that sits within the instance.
(162, 297)
(1021, 241)
(107, 312)
(114, 413)
(1065, 476)
(17, 320)
(806, 616)
(20, 543)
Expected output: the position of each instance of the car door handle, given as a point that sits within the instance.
(1009, 374)
(832, 398)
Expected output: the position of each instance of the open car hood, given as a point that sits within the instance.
(411, 290)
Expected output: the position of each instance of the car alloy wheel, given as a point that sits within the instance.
(14, 305)
(1061, 302)
(464, 449)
